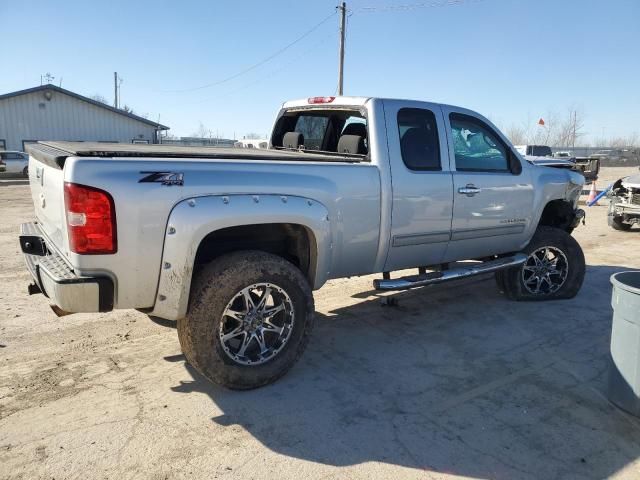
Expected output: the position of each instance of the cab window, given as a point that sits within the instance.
(419, 143)
(477, 148)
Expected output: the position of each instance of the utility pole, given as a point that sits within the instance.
(343, 14)
(115, 89)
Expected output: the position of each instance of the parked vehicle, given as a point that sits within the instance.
(624, 203)
(15, 162)
(542, 155)
(534, 150)
(252, 143)
(231, 242)
(617, 156)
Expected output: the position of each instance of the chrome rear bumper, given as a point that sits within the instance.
(56, 279)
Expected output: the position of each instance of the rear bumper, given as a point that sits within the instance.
(57, 280)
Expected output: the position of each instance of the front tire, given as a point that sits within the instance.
(615, 221)
(249, 321)
(554, 269)
(25, 172)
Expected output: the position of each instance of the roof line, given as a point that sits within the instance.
(49, 86)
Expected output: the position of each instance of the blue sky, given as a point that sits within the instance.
(512, 60)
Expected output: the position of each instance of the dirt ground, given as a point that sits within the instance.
(455, 382)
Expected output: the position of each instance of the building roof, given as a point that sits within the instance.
(53, 88)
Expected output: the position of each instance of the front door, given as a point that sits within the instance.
(493, 194)
(422, 184)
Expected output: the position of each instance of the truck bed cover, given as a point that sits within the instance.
(55, 153)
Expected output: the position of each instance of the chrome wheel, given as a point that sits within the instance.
(256, 324)
(545, 271)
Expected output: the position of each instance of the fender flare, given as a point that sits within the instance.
(191, 220)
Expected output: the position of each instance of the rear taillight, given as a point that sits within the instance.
(320, 99)
(91, 220)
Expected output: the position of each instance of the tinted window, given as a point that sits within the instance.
(476, 146)
(312, 128)
(419, 139)
(539, 151)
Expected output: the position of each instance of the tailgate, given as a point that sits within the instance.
(47, 191)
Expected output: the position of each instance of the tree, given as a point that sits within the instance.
(99, 98)
(202, 132)
(516, 134)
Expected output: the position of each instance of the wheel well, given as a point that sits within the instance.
(293, 242)
(559, 214)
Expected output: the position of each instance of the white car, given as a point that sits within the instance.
(14, 162)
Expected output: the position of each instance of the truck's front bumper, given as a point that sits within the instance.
(578, 216)
(56, 279)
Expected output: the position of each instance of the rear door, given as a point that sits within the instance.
(422, 184)
(493, 194)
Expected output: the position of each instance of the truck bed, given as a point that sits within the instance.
(56, 153)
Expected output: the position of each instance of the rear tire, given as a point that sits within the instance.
(225, 316)
(554, 270)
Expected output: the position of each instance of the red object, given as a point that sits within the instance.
(321, 99)
(541, 122)
(593, 193)
(91, 220)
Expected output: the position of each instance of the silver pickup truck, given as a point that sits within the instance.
(231, 242)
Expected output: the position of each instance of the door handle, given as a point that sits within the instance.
(470, 190)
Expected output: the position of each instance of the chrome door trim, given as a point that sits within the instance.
(421, 239)
(487, 232)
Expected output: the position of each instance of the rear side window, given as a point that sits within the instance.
(539, 151)
(476, 147)
(419, 143)
(312, 128)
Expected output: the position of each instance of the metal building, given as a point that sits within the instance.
(48, 112)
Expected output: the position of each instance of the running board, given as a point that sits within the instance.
(414, 281)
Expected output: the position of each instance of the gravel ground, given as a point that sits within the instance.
(454, 382)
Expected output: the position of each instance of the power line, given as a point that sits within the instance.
(262, 62)
(271, 73)
(414, 6)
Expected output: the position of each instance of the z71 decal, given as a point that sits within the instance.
(165, 178)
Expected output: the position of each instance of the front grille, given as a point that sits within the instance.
(635, 198)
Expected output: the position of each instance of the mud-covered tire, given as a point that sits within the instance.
(512, 280)
(615, 221)
(213, 288)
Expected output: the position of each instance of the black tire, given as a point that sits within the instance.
(513, 279)
(25, 172)
(213, 288)
(615, 221)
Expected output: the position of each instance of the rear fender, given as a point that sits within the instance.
(193, 219)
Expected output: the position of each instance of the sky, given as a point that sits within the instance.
(203, 62)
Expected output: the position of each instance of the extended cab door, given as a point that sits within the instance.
(493, 194)
(421, 183)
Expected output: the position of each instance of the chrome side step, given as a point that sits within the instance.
(414, 281)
